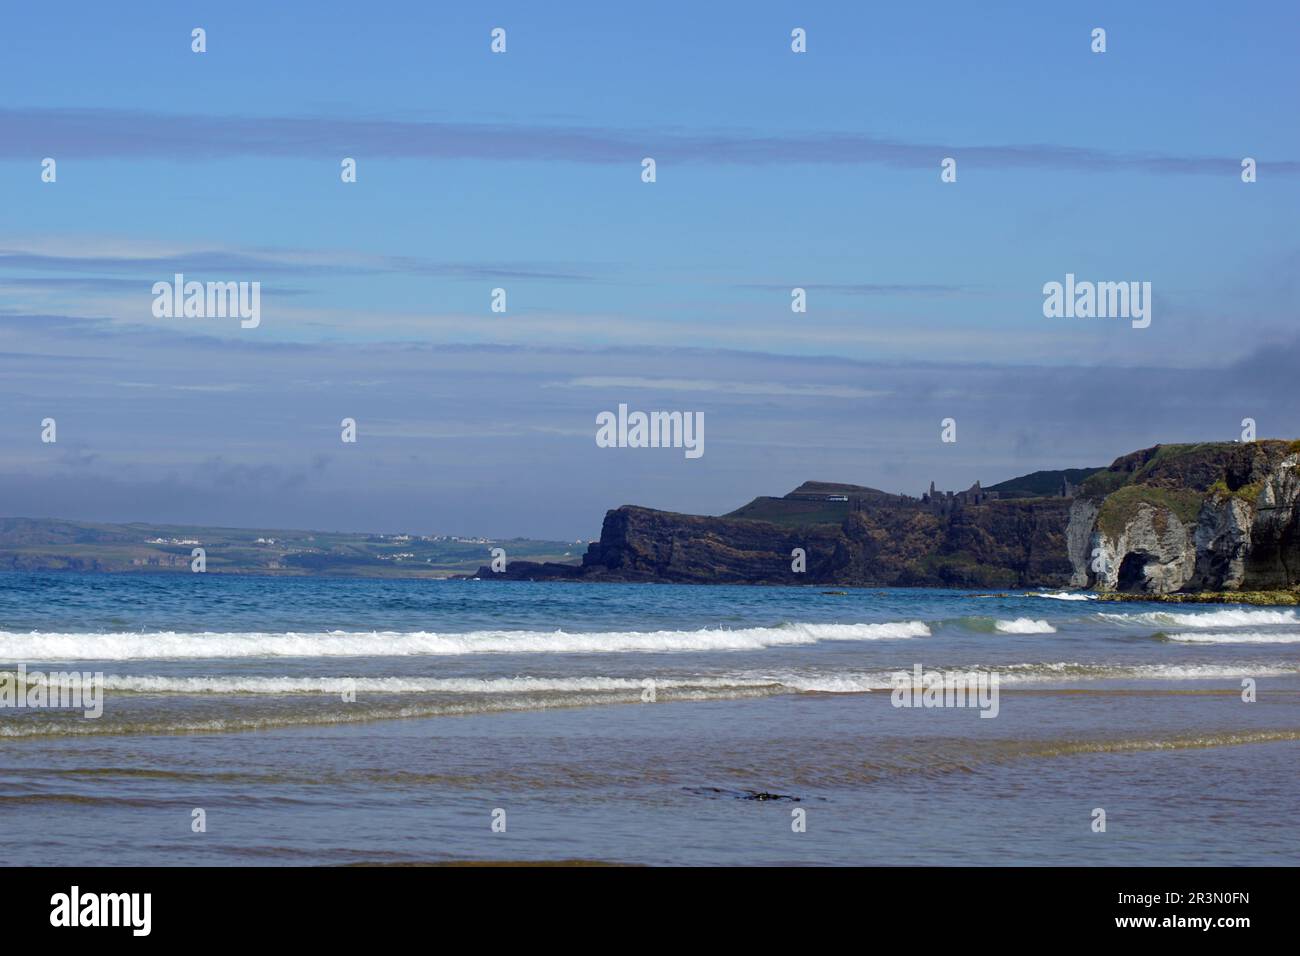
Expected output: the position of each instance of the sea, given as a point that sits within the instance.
(257, 721)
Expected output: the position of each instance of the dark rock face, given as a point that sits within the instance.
(1272, 558)
(638, 544)
(1011, 543)
(1216, 516)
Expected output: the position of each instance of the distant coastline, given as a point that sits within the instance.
(51, 544)
(1216, 522)
(1207, 518)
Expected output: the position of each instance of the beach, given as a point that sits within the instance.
(350, 721)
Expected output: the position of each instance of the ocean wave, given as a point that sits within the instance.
(1060, 672)
(248, 685)
(1234, 637)
(993, 625)
(1035, 673)
(172, 645)
(1024, 625)
(1063, 596)
(1017, 673)
(1226, 618)
(822, 682)
(240, 703)
(1070, 748)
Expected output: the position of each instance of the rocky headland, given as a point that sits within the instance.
(1169, 520)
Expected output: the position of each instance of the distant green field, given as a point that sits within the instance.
(50, 545)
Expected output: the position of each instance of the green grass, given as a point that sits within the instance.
(1108, 482)
(1042, 484)
(1247, 493)
(792, 512)
(1104, 483)
(40, 544)
(1122, 506)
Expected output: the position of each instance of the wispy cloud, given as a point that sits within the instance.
(271, 262)
(135, 134)
(717, 386)
(864, 288)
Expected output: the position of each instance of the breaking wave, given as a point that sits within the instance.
(806, 682)
(1020, 625)
(172, 645)
(240, 703)
(150, 684)
(1234, 637)
(1024, 625)
(1225, 618)
(1061, 672)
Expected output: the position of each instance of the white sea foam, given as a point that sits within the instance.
(1024, 625)
(154, 684)
(1063, 671)
(1065, 596)
(1236, 637)
(1232, 617)
(172, 645)
(469, 696)
(1060, 672)
(833, 683)
(806, 682)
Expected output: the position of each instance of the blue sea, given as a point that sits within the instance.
(316, 721)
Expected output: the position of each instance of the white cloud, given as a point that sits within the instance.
(705, 385)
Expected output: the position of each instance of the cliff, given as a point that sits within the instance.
(1211, 517)
(1216, 516)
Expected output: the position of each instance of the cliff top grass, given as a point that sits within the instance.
(1041, 484)
(1229, 467)
(792, 512)
(1139, 466)
(1247, 493)
(1122, 506)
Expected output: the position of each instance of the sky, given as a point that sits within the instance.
(522, 171)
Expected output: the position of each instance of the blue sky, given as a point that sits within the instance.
(522, 171)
